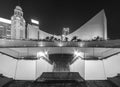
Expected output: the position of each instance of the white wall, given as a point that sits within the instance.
(43, 66)
(25, 70)
(7, 66)
(89, 69)
(31, 69)
(78, 66)
(9, 52)
(112, 65)
(98, 69)
(94, 70)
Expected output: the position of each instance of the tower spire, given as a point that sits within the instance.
(17, 24)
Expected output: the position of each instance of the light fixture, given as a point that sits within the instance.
(78, 54)
(34, 21)
(40, 44)
(60, 44)
(42, 54)
(81, 44)
(5, 20)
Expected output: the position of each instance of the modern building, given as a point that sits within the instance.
(60, 56)
(5, 28)
(18, 24)
(95, 27)
(92, 63)
(32, 32)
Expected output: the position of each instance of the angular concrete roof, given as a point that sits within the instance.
(96, 26)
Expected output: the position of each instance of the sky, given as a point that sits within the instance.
(54, 15)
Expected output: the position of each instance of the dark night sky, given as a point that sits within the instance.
(53, 15)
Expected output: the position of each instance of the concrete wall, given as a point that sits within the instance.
(94, 70)
(31, 69)
(7, 66)
(42, 66)
(97, 69)
(78, 66)
(96, 26)
(25, 70)
(112, 65)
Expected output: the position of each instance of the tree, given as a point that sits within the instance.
(74, 38)
(47, 38)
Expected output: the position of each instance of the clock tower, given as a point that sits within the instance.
(17, 24)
